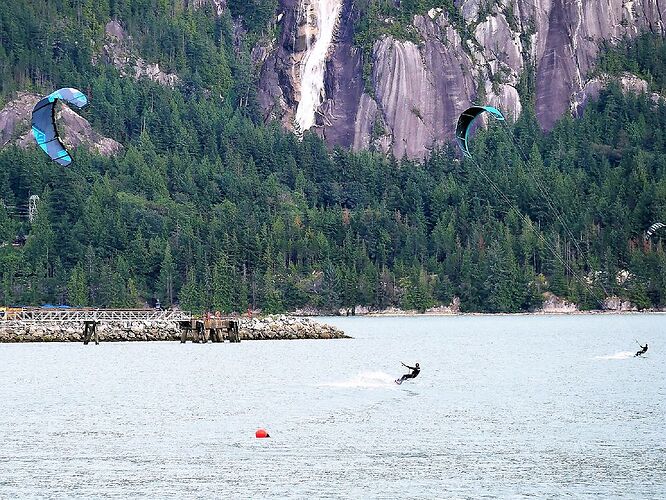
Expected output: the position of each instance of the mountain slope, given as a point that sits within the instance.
(209, 207)
(416, 68)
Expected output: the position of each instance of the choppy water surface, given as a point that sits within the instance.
(505, 406)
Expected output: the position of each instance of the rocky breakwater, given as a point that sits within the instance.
(73, 332)
(287, 328)
(270, 327)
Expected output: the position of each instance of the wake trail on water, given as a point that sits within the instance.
(618, 355)
(365, 380)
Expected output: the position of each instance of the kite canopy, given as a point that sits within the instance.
(465, 124)
(653, 228)
(44, 126)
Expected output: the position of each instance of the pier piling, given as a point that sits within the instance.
(89, 331)
(216, 330)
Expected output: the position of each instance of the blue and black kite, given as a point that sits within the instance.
(44, 126)
(654, 227)
(465, 124)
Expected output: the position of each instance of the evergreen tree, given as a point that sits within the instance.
(222, 287)
(273, 298)
(190, 294)
(208, 206)
(166, 278)
(77, 288)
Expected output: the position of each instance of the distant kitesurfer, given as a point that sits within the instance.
(415, 370)
(643, 350)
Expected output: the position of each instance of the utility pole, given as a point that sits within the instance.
(32, 208)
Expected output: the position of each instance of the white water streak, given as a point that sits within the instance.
(365, 380)
(618, 355)
(313, 65)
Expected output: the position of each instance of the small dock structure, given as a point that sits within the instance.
(213, 329)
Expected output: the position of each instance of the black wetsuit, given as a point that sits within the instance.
(643, 350)
(414, 373)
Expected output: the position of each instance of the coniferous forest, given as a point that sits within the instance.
(209, 208)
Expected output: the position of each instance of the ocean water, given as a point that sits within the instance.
(505, 406)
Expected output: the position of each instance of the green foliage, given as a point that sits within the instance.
(256, 14)
(167, 278)
(77, 288)
(416, 291)
(49, 44)
(645, 57)
(223, 283)
(207, 210)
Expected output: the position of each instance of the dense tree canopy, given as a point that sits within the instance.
(210, 209)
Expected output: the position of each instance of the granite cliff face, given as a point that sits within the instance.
(292, 88)
(311, 75)
(418, 89)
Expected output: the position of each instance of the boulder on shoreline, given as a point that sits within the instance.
(286, 327)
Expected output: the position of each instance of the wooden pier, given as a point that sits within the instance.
(90, 318)
(215, 330)
(71, 315)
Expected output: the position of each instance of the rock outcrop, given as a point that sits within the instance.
(590, 91)
(418, 89)
(346, 113)
(74, 129)
(116, 51)
(15, 117)
(618, 304)
(554, 304)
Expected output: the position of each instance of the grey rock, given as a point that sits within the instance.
(15, 117)
(421, 88)
(592, 88)
(117, 52)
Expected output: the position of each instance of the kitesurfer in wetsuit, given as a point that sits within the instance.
(415, 370)
(643, 349)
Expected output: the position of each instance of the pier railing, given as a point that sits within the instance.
(200, 330)
(43, 315)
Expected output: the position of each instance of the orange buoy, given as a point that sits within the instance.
(261, 433)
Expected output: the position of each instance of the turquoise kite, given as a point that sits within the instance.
(652, 229)
(465, 124)
(44, 126)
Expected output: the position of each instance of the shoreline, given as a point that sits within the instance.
(414, 314)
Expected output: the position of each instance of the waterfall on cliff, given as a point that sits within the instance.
(313, 64)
